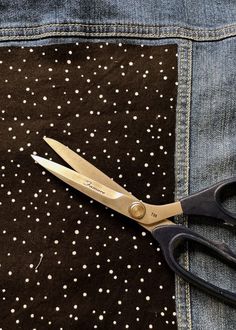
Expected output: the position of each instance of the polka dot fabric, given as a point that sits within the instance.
(66, 261)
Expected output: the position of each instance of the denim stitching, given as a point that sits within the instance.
(121, 24)
(178, 124)
(188, 108)
(130, 25)
(149, 31)
(107, 34)
(182, 168)
(179, 312)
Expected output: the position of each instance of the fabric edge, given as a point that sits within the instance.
(183, 298)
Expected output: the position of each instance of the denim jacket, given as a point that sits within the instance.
(205, 33)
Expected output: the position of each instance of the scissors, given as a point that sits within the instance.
(89, 180)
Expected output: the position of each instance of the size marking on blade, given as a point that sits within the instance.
(154, 215)
(89, 184)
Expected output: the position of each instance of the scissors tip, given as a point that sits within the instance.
(36, 158)
(51, 142)
(39, 160)
(47, 139)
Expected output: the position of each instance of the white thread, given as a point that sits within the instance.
(39, 263)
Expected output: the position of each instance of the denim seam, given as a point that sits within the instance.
(182, 169)
(188, 108)
(121, 24)
(124, 25)
(109, 34)
(125, 30)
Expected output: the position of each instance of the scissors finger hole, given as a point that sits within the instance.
(206, 256)
(226, 198)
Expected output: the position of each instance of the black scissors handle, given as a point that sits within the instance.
(209, 202)
(171, 237)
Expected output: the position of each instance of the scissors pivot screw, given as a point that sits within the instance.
(137, 210)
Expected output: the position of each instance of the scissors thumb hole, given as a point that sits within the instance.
(211, 277)
(213, 265)
(226, 197)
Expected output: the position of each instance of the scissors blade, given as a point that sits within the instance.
(96, 190)
(82, 166)
(154, 215)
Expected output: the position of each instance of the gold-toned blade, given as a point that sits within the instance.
(147, 215)
(82, 166)
(96, 190)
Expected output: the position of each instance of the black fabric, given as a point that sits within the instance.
(68, 262)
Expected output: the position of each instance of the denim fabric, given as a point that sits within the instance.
(206, 144)
(207, 20)
(212, 158)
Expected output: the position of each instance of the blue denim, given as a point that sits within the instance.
(205, 32)
(212, 158)
(133, 18)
